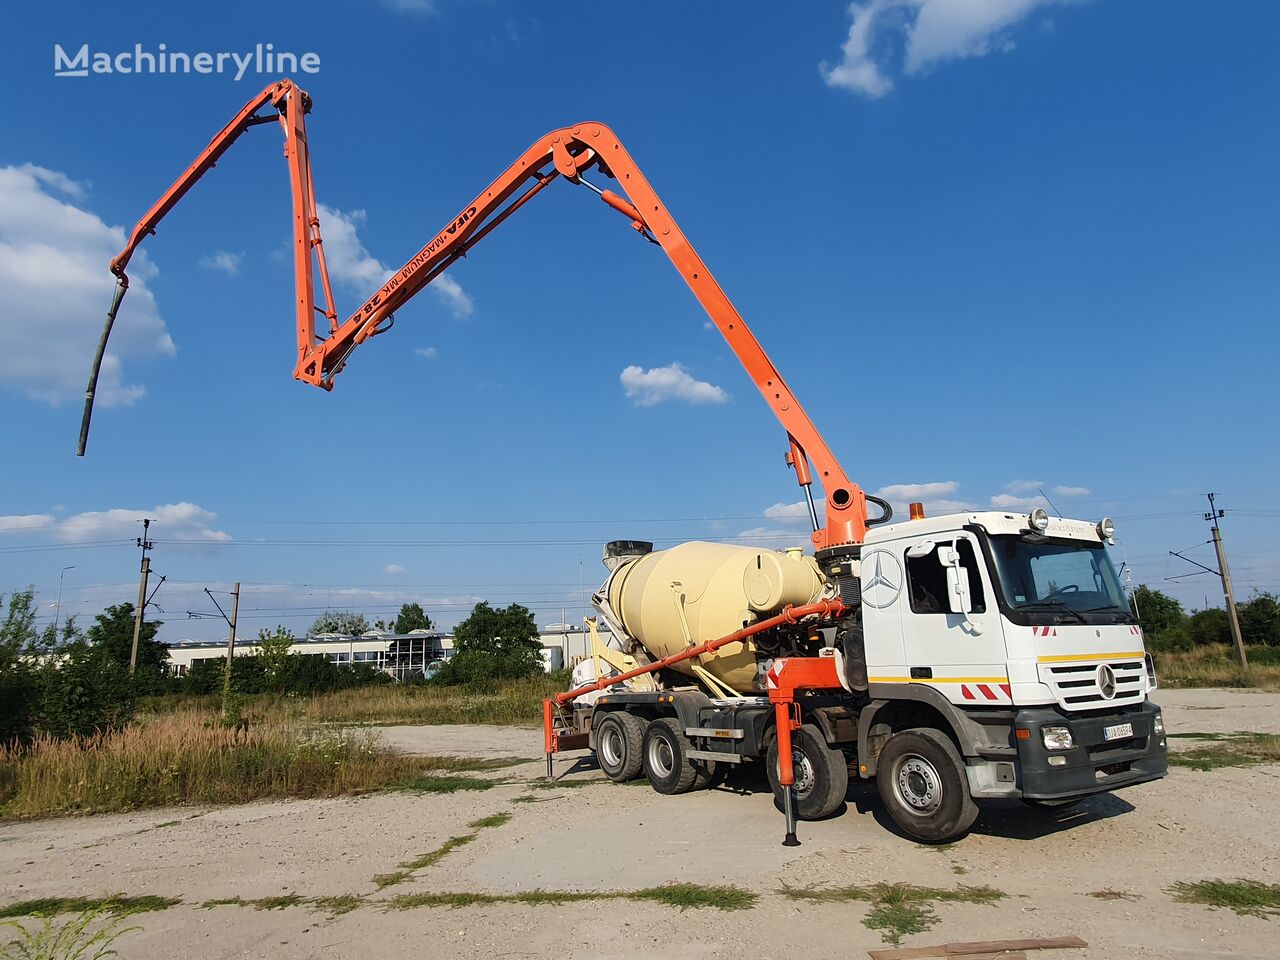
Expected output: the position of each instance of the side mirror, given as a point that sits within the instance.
(959, 599)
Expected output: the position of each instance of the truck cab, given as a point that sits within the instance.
(1011, 634)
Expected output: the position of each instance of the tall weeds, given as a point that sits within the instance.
(186, 757)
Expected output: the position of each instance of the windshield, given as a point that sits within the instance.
(1076, 576)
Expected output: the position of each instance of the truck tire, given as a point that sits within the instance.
(619, 746)
(666, 758)
(922, 784)
(822, 774)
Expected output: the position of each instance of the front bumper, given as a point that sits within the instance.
(1093, 765)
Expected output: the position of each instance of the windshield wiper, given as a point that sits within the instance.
(1056, 605)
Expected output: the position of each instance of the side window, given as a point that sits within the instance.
(927, 580)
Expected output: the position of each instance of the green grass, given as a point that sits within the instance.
(1228, 750)
(1247, 898)
(90, 935)
(186, 758)
(682, 896)
(542, 783)
(1110, 894)
(1214, 665)
(261, 903)
(337, 906)
(410, 867)
(897, 909)
(444, 783)
(118, 905)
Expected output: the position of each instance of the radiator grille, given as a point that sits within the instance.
(1076, 684)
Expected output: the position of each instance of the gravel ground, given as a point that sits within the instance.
(603, 837)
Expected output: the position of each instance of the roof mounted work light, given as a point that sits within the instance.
(1039, 520)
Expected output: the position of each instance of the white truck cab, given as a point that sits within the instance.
(1014, 633)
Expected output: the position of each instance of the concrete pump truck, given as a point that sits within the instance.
(952, 659)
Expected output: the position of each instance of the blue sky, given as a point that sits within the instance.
(996, 247)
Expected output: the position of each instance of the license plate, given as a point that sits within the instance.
(1119, 731)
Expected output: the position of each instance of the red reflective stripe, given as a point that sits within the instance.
(987, 692)
(1008, 692)
(968, 694)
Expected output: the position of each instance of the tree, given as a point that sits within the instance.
(273, 651)
(494, 644)
(412, 617)
(1209, 626)
(19, 689)
(1260, 619)
(1164, 625)
(112, 636)
(339, 621)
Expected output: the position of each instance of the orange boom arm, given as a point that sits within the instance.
(567, 154)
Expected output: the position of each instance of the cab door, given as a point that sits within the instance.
(956, 643)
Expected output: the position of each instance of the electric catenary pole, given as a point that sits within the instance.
(138, 614)
(1213, 516)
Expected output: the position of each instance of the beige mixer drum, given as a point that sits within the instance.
(695, 592)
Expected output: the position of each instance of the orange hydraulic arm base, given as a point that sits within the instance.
(786, 678)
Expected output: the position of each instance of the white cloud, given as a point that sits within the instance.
(1072, 491)
(906, 492)
(351, 263)
(1007, 501)
(453, 296)
(394, 568)
(223, 260)
(21, 522)
(429, 353)
(55, 288)
(169, 521)
(932, 31)
(788, 511)
(672, 382)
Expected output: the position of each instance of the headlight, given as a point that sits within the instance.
(1039, 519)
(1057, 738)
(1107, 529)
(1159, 724)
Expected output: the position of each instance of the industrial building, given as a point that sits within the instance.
(404, 656)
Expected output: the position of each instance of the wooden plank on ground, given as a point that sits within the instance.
(1005, 946)
(978, 950)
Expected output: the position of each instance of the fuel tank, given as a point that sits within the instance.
(671, 599)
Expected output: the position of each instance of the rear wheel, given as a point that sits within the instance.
(821, 772)
(922, 783)
(619, 746)
(666, 758)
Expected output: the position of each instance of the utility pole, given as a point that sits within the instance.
(1213, 516)
(231, 645)
(140, 612)
(57, 617)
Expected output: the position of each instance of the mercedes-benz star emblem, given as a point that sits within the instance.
(883, 586)
(1106, 681)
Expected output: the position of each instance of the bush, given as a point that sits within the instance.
(83, 692)
(1209, 626)
(1260, 620)
(206, 676)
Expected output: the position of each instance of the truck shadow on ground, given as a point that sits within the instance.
(1007, 819)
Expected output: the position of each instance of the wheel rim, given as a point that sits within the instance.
(661, 757)
(611, 746)
(918, 784)
(805, 776)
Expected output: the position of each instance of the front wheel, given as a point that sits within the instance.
(921, 779)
